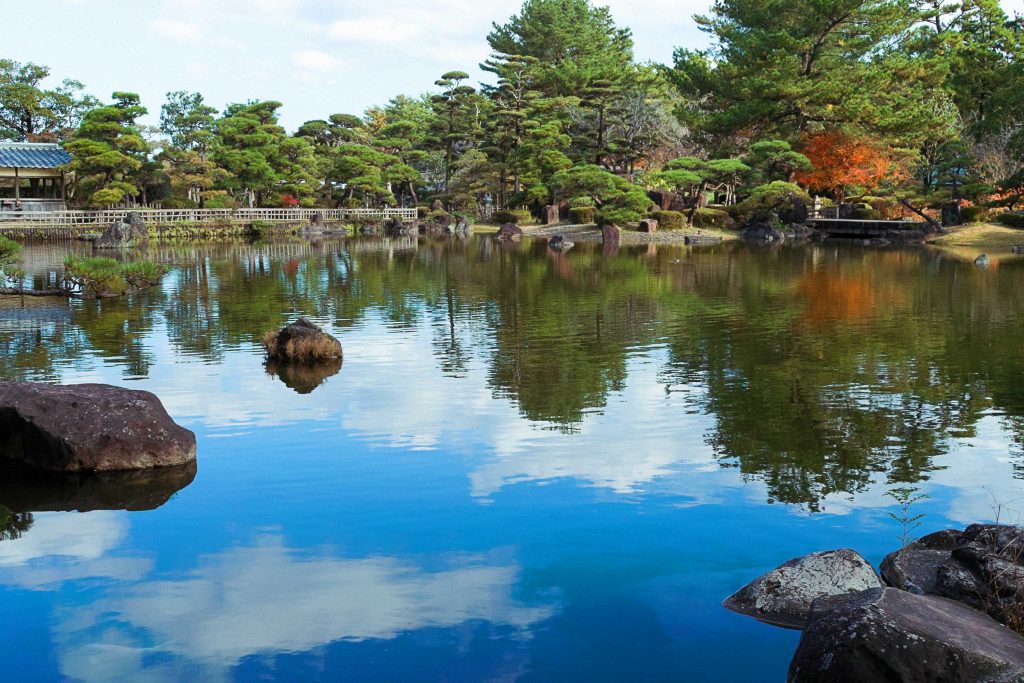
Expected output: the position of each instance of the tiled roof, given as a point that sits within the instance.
(32, 155)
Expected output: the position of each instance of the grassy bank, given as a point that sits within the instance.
(981, 236)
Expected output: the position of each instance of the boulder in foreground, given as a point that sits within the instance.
(784, 596)
(885, 634)
(302, 342)
(89, 427)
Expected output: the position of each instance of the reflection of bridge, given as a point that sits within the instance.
(66, 223)
(858, 228)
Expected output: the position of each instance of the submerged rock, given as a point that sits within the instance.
(559, 243)
(885, 634)
(783, 596)
(89, 427)
(301, 341)
(509, 231)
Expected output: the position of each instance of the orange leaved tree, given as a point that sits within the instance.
(841, 160)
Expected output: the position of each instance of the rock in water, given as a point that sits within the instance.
(301, 341)
(889, 635)
(609, 234)
(559, 243)
(784, 595)
(509, 231)
(125, 234)
(982, 261)
(89, 427)
(915, 567)
(982, 567)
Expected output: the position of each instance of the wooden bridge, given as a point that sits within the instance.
(856, 228)
(70, 223)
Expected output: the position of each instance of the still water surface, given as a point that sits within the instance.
(531, 466)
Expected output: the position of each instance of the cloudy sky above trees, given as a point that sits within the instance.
(315, 56)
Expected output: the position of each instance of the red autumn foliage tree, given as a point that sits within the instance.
(842, 160)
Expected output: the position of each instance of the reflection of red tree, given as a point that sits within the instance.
(841, 161)
(830, 296)
(291, 266)
(563, 267)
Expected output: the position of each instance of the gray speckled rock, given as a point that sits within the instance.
(885, 634)
(783, 596)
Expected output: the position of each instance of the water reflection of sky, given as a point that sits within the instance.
(402, 522)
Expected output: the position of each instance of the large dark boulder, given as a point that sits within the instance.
(126, 234)
(761, 232)
(89, 427)
(783, 596)
(888, 635)
(982, 567)
(648, 225)
(609, 234)
(662, 199)
(303, 342)
(915, 568)
(509, 231)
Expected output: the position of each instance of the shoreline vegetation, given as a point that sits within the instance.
(781, 118)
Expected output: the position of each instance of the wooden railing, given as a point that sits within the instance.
(63, 219)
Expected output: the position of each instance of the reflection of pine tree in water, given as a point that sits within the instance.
(13, 524)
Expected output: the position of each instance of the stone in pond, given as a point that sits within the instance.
(89, 427)
(783, 596)
(888, 635)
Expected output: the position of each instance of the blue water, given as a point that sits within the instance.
(420, 516)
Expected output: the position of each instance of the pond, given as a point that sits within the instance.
(530, 466)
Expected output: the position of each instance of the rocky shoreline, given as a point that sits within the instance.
(947, 607)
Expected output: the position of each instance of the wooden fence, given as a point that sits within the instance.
(34, 222)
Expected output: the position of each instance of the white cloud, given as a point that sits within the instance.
(177, 31)
(315, 60)
(379, 29)
(267, 599)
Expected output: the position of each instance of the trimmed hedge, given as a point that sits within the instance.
(582, 215)
(510, 216)
(1011, 219)
(713, 218)
(669, 220)
(974, 214)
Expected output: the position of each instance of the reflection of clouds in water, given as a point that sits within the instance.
(267, 599)
(64, 546)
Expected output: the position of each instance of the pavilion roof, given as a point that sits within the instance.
(32, 155)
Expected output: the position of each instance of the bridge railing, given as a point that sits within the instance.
(38, 219)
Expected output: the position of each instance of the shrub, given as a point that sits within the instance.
(510, 216)
(669, 220)
(1011, 219)
(422, 211)
(582, 215)
(303, 349)
(616, 215)
(142, 273)
(581, 202)
(98, 275)
(863, 212)
(10, 251)
(178, 203)
(217, 199)
(766, 202)
(974, 214)
(712, 218)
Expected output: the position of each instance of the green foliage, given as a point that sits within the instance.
(518, 217)
(712, 218)
(864, 212)
(109, 151)
(581, 202)
(31, 113)
(906, 497)
(1011, 219)
(974, 214)
(582, 215)
(10, 252)
(669, 220)
(767, 201)
(101, 276)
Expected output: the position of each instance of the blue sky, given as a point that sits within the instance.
(316, 56)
